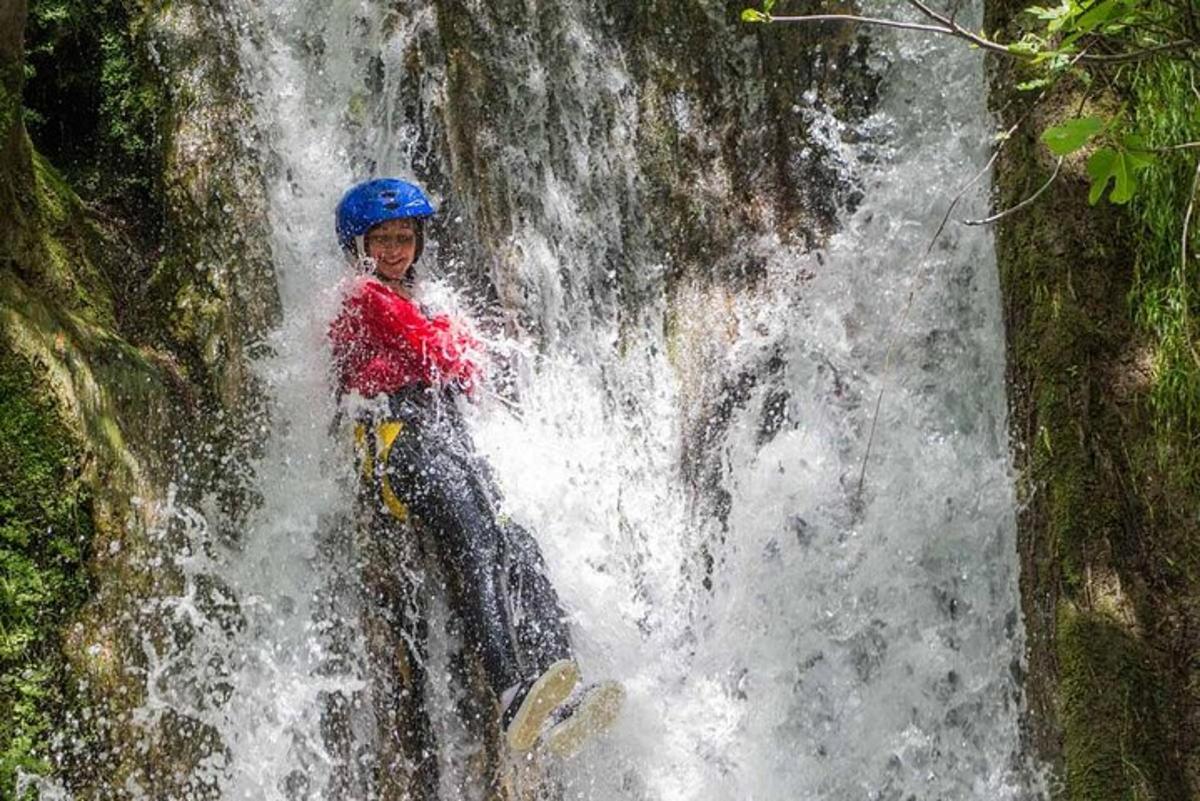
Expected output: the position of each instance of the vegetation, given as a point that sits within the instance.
(45, 531)
(64, 372)
(93, 102)
(1165, 109)
(1089, 41)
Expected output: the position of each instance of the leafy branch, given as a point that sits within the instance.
(1099, 34)
(1066, 27)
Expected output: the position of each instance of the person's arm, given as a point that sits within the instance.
(460, 350)
(443, 348)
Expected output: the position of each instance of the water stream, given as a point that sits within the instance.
(813, 643)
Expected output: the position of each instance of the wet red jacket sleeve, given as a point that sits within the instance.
(383, 341)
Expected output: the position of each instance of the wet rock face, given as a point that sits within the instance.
(1108, 631)
(129, 327)
(217, 271)
(676, 132)
(737, 103)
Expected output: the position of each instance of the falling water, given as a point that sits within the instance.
(807, 640)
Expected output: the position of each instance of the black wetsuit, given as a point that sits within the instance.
(425, 472)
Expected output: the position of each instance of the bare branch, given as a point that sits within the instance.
(948, 23)
(1187, 218)
(885, 23)
(962, 33)
(1138, 55)
(1168, 148)
(1029, 201)
(948, 27)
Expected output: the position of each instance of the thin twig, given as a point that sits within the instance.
(912, 293)
(885, 23)
(1032, 198)
(1029, 201)
(1138, 55)
(1167, 148)
(954, 29)
(1183, 265)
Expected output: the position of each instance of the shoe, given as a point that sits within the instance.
(527, 705)
(588, 712)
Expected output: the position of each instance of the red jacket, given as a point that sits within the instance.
(382, 342)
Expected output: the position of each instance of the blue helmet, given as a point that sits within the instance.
(370, 203)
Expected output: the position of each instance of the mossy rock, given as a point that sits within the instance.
(1107, 530)
(1112, 699)
(45, 539)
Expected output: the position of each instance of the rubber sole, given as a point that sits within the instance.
(596, 713)
(550, 690)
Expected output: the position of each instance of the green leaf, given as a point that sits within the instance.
(753, 15)
(1100, 169)
(768, 6)
(1140, 153)
(1025, 47)
(1056, 16)
(1036, 83)
(1071, 135)
(1094, 15)
(1103, 13)
(1117, 167)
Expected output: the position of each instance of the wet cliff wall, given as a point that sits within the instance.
(136, 284)
(1099, 306)
(716, 141)
(131, 286)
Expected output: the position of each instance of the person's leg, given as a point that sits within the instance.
(543, 639)
(426, 472)
(539, 622)
(432, 471)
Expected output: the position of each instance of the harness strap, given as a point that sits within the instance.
(379, 441)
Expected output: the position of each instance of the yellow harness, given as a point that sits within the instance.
(384, 436)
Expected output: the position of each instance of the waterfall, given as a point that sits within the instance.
(686, 448)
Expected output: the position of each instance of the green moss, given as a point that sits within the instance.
(1102, 614)
(56, 256)
(1111, 702)
(1165, 301)
(45, 530)
(1166, 297)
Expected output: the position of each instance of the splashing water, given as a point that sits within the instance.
(808, 642)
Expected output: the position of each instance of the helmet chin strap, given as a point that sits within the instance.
(366, 265)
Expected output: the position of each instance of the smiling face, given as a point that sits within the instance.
(393, 246)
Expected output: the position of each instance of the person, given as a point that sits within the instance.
(420, 467)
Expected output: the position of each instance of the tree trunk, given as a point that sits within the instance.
(14, 159)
